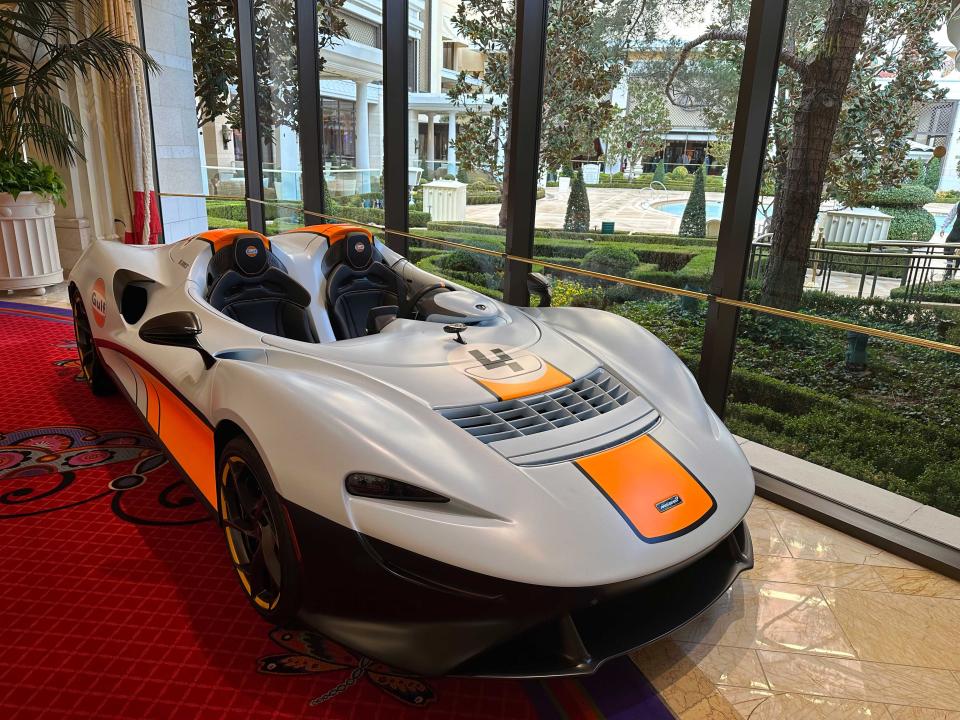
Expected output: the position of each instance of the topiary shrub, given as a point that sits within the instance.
(905, 205)
(610, 260)
(461, 261)
(462, 174)
(680, 171)
(694, 221)
(660, 174)
(577, 218)
(908, 195)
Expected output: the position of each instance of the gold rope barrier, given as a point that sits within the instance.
(707, 297)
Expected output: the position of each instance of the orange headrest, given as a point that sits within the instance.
(332, 232)
(226, 237)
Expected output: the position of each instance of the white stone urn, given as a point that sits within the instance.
(29, 257)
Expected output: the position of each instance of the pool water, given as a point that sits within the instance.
(714, 209)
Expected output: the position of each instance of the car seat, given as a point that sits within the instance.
(363, 294)
(247, 282)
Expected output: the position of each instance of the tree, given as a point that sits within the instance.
(585, 59)
(931, 174)
(215, 69)
(852, 72)
(694, 220)
(638, 130)
(660, 174)
(577, 218)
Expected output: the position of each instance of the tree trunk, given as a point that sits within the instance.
(797, 198)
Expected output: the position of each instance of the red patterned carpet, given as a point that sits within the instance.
(117, 599)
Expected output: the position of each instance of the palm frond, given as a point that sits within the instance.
(41, 49)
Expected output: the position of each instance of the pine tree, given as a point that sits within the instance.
(694, 221)
(660, 174)
(931, 174)
(577, 218)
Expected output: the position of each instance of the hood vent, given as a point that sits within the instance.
(591, 396)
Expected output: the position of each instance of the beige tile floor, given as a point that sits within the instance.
(824, 626)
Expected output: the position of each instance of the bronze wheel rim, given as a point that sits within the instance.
(252, 538)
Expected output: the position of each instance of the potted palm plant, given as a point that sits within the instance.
(44, 45)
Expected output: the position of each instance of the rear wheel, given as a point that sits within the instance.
(90, 363)
(258, 538)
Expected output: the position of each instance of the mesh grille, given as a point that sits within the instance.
(596, 394)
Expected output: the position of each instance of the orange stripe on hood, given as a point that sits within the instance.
(643, 481)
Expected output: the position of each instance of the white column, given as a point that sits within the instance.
(435, 38)
(363, 136)
(451, 137)
(431, 154)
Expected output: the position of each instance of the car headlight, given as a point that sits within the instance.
(381, 488)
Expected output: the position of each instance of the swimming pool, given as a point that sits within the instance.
(714, 209)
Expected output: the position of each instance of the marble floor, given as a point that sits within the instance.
(824, 626)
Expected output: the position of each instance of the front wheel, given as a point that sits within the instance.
(259, 540)
(92, 366)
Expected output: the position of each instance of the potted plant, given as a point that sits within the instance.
(44, 46)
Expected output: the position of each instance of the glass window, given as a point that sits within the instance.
(192, 96)
(351, 89)
(854, 224)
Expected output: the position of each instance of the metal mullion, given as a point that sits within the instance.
(310, 115)
(395, 122)
(523, 160)
(758, 83)
(252, 157)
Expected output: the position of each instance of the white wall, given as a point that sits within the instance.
(179, 164)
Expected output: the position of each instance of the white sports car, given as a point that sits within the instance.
(441, 481)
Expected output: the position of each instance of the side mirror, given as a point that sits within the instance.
(537, 284)
(178, 329)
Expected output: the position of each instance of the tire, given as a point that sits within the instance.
(91, 363)
(259, 540)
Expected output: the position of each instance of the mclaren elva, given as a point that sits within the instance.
(432, 477)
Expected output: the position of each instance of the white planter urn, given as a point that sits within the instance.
(563, 182)
(29, 257)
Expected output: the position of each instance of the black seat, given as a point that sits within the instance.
(248, 283)
(358, 283)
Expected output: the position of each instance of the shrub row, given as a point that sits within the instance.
(474, 228)
(854, 438)
(945, 291)
(236, 211)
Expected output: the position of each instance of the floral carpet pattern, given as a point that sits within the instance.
(118, 601)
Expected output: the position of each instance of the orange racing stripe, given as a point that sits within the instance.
(184, 432)
(333, 232)
(641, 474)
(227, 236)
(550, 380)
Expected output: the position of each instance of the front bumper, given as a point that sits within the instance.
(432, 618)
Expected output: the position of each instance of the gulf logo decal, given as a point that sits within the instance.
(251, 251)
(653, 492)
(98, 302)
(506, 373)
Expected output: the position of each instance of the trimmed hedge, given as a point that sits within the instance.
(945, 291)
(713, 183)
(444, 229)
(610, 260)
(830, 431)
(910, 195)
(908, 221)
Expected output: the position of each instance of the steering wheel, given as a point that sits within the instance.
(411, 305)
